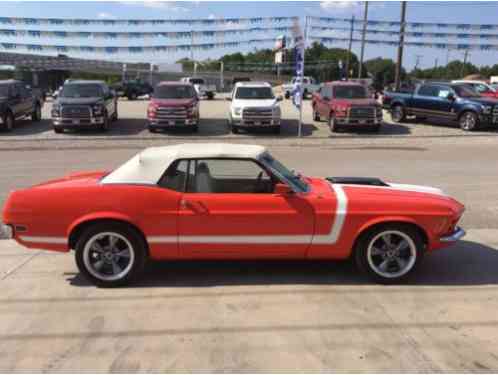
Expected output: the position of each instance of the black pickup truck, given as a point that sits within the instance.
(447, 101)
(18, 101)
(132, 89)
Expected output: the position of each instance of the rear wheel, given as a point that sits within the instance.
(210, 95)
(110, 254)
(389, 253)
(316, 115)
(398, 113)
(8, 122)
(58, 129)
(468, 121)
(287, 95)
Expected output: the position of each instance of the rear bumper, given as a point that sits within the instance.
(6, 232)
(453, 237)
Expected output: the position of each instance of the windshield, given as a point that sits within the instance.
(196, 81)
(254, 93)
(81, 91)
(464, 91)
(4, 91)
(173, 92)
(350, 92)
(281, 171)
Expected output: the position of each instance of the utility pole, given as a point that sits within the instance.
(348, 60)
(397, 79)
(417, 62)
(435, 63)
(192, 48)
(365, 18)
(466, 53)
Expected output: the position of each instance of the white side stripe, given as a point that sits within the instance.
(340, 216)
(327, 239)
(40, 239)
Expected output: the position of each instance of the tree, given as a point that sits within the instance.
(383, 72)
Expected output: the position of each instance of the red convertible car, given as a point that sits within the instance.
(223, 201)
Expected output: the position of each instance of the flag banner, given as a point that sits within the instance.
(140, 22)
(410, 34)
(451, 46)
(409, 25)
(299, 45)
(139, 35)
(130, 49)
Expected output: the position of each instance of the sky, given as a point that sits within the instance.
(417, 11)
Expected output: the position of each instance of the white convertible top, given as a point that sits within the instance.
(148, 166)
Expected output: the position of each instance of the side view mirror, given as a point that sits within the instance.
(282, 189)
(451, 96)
(280, 98)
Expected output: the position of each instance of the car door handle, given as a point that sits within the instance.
(195, 206)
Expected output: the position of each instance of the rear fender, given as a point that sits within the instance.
(103, 215)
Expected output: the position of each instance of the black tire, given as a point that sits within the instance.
(332, 125)
(210, 96)
(58, 129)
(195, 128)
(287, 95)
(152, 129)
(8, 121)
(105, 126)
(305, 94)
(398, 113)
(115, 116)
(36, 115)
(132, 96)
(137, 258)
(316, 115)
(235, 129)
(371, 262)
(275, 129)
(468, 121)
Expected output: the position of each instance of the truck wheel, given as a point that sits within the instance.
(58, 129)
(398, 113)
(36, 115)
(275, 129)
(105, 126)
(316, 115)
(332, 124)
(287, 95)
(468, 121)
(210, 95)
(389, 253)
(110, 254)
(305, 93)
(132, 96)
(115, 116)
(8, 122)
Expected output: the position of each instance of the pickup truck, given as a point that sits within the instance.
(201, 88)
(173, 104)
(309, 87)
(346, 103)
(447, 101)
(84, 104)
(253, 105)
(18, 101)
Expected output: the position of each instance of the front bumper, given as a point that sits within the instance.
(256, 123)
(457, 234)
(170, 123)
(6, 232)
(77, 122)
(358, 121)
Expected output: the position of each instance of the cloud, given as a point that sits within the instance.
(334, 6)
(106, 15)
(156, 4)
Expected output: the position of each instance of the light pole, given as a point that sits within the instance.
(365, 18)
(397, 79)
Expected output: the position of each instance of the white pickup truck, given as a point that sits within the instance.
(254, 106)
(201, 88)
(310, 86)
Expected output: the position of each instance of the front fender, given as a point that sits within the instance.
(389, 219)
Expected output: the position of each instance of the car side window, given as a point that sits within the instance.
(14, 91)
(175, 177)
(428, 90)
(229, 176)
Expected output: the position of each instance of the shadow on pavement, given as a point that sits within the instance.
(465, 264)
(28, 127)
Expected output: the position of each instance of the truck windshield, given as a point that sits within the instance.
(281, 171)
(4, 91)
(350, 92)
(254, 93)
(81, 91)
(173, 92)
(464, 91)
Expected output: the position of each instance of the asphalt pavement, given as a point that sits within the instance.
(262, 316)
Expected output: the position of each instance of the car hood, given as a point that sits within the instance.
(173, 102)
(81, 101)
(254, 103)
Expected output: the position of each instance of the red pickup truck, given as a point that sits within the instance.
(345, 103)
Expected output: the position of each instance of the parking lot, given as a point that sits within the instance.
(259, 316)
(132, 125)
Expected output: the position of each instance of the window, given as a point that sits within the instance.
(350, 92)
(225, 176)
(464, 91)
(480, 88)
(428, 90)
(327, 92)
(81, 91)
(254, 93)
(174, 92)
(175, 177)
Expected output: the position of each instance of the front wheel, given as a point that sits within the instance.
(468, 121)
(36, 115)
(389, 253)
(105, 125)
(398, 113)
(8, 122)
(316, 115)
(332, 124)
(111, 254)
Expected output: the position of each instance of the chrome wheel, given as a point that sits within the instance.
(468, 121)
(391, 254)
(108, 256)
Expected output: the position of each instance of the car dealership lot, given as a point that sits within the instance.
(132, 125)
(251, 316)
